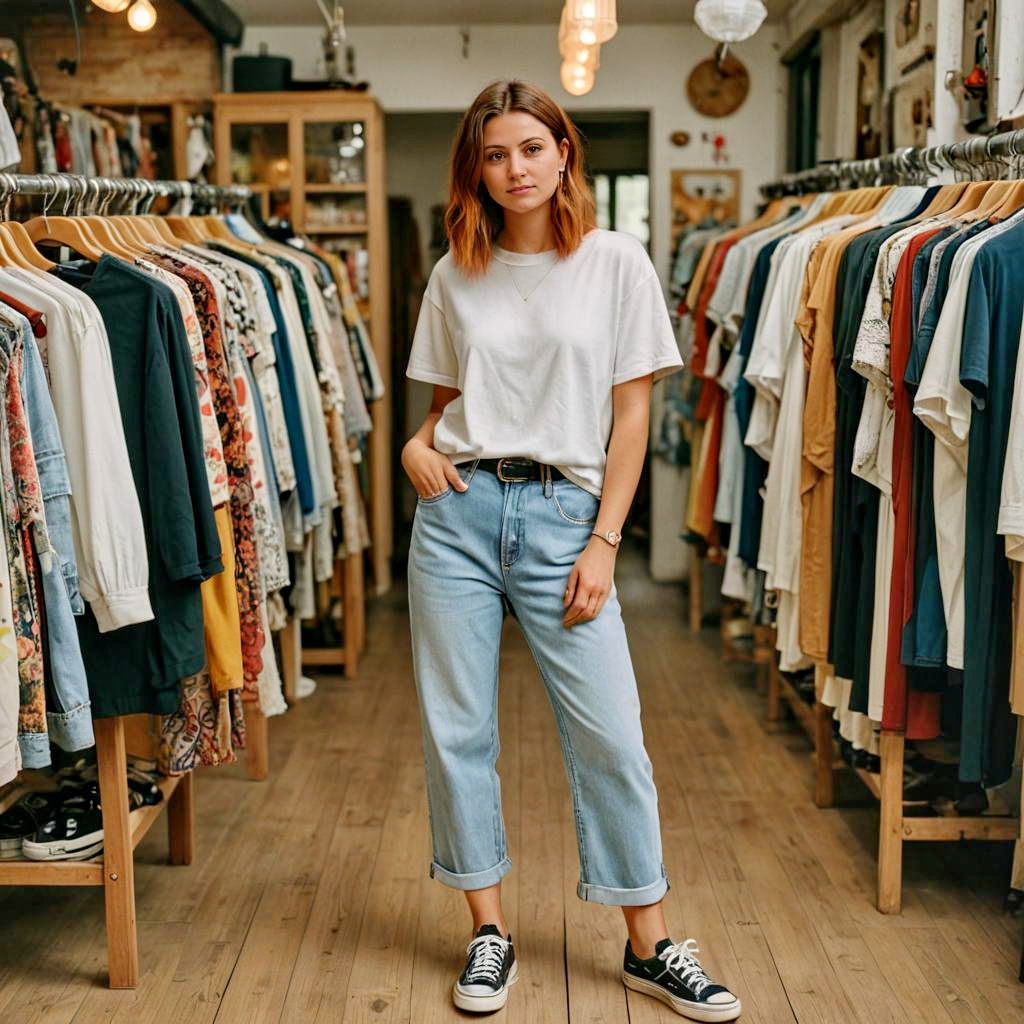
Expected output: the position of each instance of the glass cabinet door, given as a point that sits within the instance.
(335, 152)
(259, 159)
(335, 185)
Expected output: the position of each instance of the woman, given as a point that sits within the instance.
(542, 337)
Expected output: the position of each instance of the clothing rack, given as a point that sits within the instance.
(907, 166)
(124, 829)
(980, 158)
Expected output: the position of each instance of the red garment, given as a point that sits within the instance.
(904, 707)
(34, 317)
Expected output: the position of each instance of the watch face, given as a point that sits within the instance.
(614, 536)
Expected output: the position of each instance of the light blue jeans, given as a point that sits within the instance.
(471, 552)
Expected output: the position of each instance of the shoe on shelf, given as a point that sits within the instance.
(73, 832)
(23, 819)
(490, 970)
(674, 975)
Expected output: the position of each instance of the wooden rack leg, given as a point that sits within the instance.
(350, 589)
(774, 692)
(118, 863)
(181, 822)
(824, 747)
(257, 757)
(359, 586)
(890, 837)
(291, 658)
(696, 591)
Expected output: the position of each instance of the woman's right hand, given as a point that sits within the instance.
(429, 470)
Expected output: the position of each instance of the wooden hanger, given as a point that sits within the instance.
(162, 230)
(10, 254)
(185, 227)
(217, 228)
(64, 230)
(944, 200)
(1013, 202)
(16, 241)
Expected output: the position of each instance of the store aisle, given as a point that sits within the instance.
(309, 898)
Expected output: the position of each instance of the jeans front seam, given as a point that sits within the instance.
(500, 845)
(570, 760)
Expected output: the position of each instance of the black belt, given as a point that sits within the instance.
(513, 470)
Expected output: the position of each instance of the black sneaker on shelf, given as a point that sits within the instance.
(74, 831)
(674, 975)
(23, 819)
(490, 970)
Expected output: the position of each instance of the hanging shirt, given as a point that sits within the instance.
(106, 523)
(139, 668)
(991, 336)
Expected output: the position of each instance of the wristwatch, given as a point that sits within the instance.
(612, 537)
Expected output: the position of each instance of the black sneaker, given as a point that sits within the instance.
(73, 832)
(490, 970)
(674, 975)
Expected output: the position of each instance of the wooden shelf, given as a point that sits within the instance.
(59, 872)
(349, 188)
(341, 229)
(142, 818)
(85, 872)
(872, 780)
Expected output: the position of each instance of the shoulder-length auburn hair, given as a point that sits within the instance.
(473, 219)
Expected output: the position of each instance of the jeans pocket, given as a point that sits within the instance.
(435, 498)
(574, 504)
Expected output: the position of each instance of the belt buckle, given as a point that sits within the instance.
(509, 479)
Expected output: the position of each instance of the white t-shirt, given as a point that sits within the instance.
(535, 345)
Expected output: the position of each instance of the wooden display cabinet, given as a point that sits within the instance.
(317, 158)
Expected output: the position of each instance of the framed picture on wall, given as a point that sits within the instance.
(913, 33)
(978, 70)
(912, 108)
(704, 196)
(870, 107)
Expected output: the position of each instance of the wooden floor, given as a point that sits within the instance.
(309, 898)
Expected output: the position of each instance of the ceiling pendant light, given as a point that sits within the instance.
(111, 6)
(142, 16)
(577, 79)
(730, 21)
(597, 17)
(573, 50)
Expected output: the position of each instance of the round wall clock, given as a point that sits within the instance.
(718, 88)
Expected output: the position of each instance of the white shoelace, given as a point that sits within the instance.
(487, 954)
(682, 960)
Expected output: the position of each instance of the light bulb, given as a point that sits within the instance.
(577, 79)
(142, 16)
(112, 6)
(596, 15)
(587, 36)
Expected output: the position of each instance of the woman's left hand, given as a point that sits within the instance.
(590, 583)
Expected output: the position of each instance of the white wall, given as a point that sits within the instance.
(643, 68)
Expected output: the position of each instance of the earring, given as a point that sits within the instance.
(561, 171)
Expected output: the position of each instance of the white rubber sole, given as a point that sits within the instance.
(695, 1011)
(81, 848)
(486, 1004)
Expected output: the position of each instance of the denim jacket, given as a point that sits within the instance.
(68, 717)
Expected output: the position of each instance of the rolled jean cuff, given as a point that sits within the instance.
(477, 880)
(653, 893)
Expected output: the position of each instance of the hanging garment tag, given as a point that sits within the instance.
(64, 255)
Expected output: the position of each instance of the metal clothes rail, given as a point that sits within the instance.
(991, 156)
